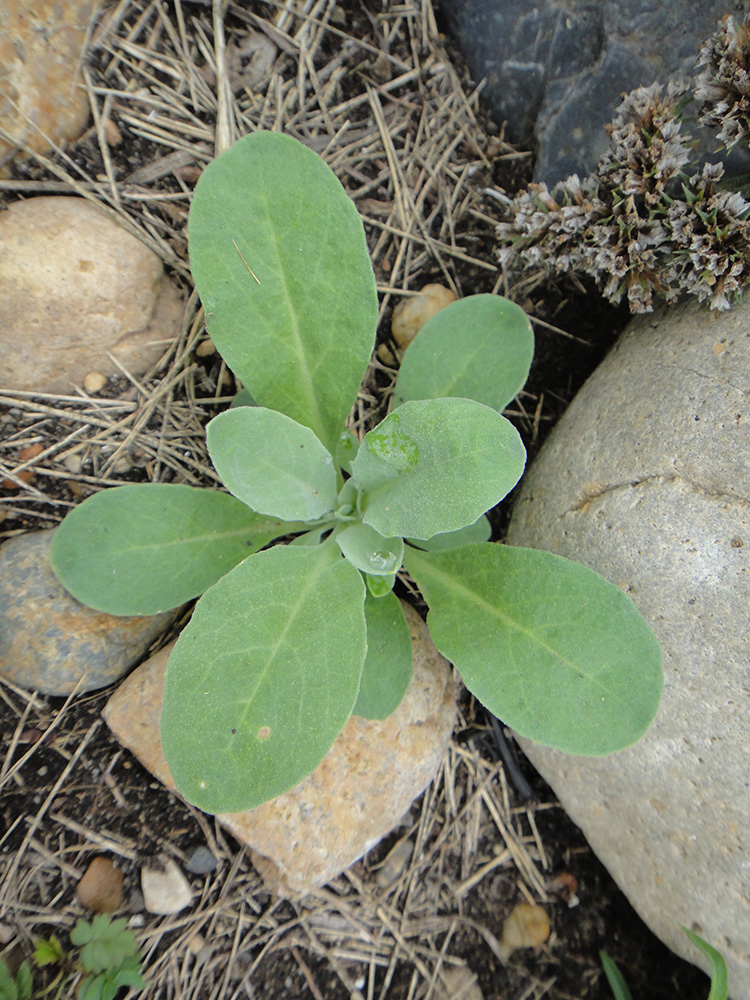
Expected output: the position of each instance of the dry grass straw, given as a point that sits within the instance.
(378, 99)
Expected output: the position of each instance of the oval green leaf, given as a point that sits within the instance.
(389, 661)
(264, 677)
(379, 586)
(366, 549)
(146, 548)
(479, 531)
(550, 647)
(478, 348)
(436, 465)
(286, 282)
(273, 464)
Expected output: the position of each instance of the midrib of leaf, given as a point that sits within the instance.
(319, 427)
(297, 607)
(294, 479)
(509, 622)
(213, 536)
(460, 369)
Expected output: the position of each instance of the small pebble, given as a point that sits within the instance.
(457, 983)
(136, 906)
(385, 354)
(94, 382)
(73, 463)
(205, 348)
(26, 475)
(100, 889)
(411, 314)
(394, 863)
(526, 926)
(112, 132)
(200, 860)
(165, 890)
(121, 464)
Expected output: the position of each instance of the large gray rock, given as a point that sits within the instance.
(647, 479)
(556, 70)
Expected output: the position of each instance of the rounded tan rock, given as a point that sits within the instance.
(75, 286)
(94, 382)
(411, 314)
(100, 888)
(357, 795)
(42, 99)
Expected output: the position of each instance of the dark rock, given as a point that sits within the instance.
(200, 861)
(48, 640)
(556, 70)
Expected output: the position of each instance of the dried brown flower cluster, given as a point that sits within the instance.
(723, 85)
(640, 224)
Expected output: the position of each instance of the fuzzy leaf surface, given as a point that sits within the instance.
(479, 531)
(478, 348)
(286, 282)
(550, 647)
(436, 465)
(264, 677)
(273, 464)
(142, 549)
(389, 661)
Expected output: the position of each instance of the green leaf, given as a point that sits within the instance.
(279, 257)
(549, 646)
(478, 348)
(615, 978)
(104, 943)
(479, 531)
(436, 465)
(48, 951)
(719, 976)
(8, 989)
(312, 537)
(243, 398)
(389, 661)
(92, 988)
(264, 677)
(24, 981)
(379, 586)
(142, 549)
(272, 463)
(366, 549)
(128, 973)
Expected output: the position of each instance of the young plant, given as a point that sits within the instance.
(719, 980)
(287, 643)
(108, 959)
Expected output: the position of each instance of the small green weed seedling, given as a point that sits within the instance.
(719, 980)
(287, 643)
(107, 958)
